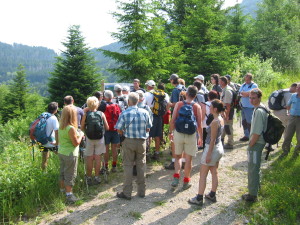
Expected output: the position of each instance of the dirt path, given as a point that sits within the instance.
(161, 205)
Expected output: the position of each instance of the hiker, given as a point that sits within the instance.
(234, 86)
(175, 97)
(134, 123)
(51, 131)
(112, 137)
(93, 124)
(150, 85)
(247, 107)
(212, 154)
(125, 93)
(119, 99)
(184, 135)
(102, 103)
(200, 78)
(69, 139)
(214, 79)
(293, 106)
(256, 144)
(227, 99)
(136, 86)
(69, 100)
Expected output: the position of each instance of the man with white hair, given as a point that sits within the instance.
(200, 78)
(134, 123)
(119, 99)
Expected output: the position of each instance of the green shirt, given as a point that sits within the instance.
(259, 124)
(65, 144)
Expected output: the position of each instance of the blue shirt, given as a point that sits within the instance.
(294, 102)
(245, 100)
(176, 93)
(133, 122)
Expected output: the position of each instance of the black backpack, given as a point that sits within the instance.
(94, 128)
(275, 100)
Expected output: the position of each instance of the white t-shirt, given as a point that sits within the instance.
(149, 99)
(52, 125)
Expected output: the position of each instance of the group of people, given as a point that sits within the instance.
(201, 119)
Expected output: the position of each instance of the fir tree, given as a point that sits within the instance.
(75, 71)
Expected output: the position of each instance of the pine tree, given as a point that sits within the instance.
(75, 71)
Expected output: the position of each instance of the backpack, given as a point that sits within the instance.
(94, 128)
(120, 100)
(37, 129)
(182, 91)
(159, 103)
(186, 122)
(235, 99)
(205, 97)
(274, 130)
(275, 100)
(112, 113)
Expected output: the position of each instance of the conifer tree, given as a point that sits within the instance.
(75, 71)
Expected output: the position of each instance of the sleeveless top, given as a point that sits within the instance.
(65, 144)
(219, 134)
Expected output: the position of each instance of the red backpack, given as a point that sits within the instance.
(112, 113)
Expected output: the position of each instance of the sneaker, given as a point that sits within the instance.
(175, 182)
(122, 195)
(244, 138)
(97, 180)
(113, 169)
(249, 198)
(194, 201)
(134, 171)
(89, 180)
(228, 146)
(170, 166)
(213, 199)
(71, 199)
(185, 186)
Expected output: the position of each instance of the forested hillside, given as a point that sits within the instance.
(250, 7)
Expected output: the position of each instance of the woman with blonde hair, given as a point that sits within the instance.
(93, 123)
(69, 139)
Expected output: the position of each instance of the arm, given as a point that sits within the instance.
(199, 124)
(174, 117)
(253, 139)
(56, 136)
(106, 127)
(213, 136)
(83, 122)
(203, 109)
(227, 111)
(73, 136)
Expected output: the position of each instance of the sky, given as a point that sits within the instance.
(45, 23)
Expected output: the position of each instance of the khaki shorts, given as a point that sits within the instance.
(185, 143)
(94, 147)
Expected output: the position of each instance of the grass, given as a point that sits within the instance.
(160, 203)
(136, 215)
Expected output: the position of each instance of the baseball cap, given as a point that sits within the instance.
(117, 87)
(125, 88)
(150, 83)
(174, 76)
(141, 94)
(200, 77)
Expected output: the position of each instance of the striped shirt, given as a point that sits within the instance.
(133, 122)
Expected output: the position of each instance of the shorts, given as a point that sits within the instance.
(185, 143)
(94, 147)
(156, 129)
(68, 168)
(111, 137)
(217, 154)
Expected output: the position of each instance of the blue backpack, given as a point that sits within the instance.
(186, 122)
(38, 129)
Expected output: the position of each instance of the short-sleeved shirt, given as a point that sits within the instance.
(79, 115)
(66, 146)
(217, 88)
(226, 96)
(176, 93)
(149, 99)
(133, 122)
(245, 100)
(294, 102)
(51, 127)
(259, 124)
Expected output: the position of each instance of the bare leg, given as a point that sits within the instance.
(45, 157)
(214, 176)
(97, 164)
(188, 165)
(202, 181)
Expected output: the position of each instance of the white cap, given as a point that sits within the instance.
(200, 77)
(117, 87)
(141, 94)
(125, 88)
(150, 83)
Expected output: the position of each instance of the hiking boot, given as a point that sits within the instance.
(155, 156)
(71, 199)
(249, 198)
(244, 138)
(97, 180)
(182, 165)
(122, 195)
(134, 171)
(228, 146)
(213, 199)
(175, 182)
(104, 170)
(113, 169)
(185, 186)
(194, 201)
(170, 166)
(89, 180)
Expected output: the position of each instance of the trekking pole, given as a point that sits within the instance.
(32, 146)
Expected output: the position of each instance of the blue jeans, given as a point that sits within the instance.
(246, 120)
